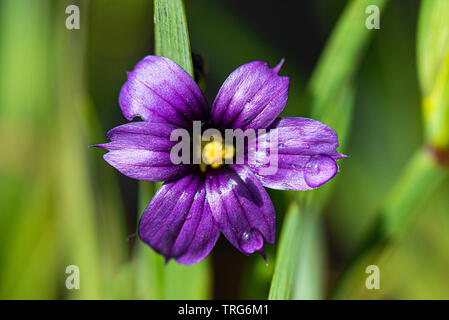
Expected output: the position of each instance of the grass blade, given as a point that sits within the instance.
(287, 256)
(339, 61)
(433, 70)
(309, 283)
(170, 33)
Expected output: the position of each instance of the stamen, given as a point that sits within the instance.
(214, 153)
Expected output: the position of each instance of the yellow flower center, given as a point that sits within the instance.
(214, 153)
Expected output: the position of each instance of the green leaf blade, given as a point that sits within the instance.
(340, 59)
(171, 35)
(287, 256)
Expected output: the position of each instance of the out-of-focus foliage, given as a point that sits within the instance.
(433, 67)
(61, 204)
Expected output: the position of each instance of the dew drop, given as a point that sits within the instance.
(281, 145)
(293, 165)
(318, 170)
(251, 240)
(312, 167)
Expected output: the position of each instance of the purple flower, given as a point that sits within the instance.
(198, 202)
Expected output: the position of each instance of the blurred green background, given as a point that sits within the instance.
(61, 204)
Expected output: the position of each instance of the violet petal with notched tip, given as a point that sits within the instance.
(251, 97)
(158, 90)
(178, 222)
(306, 155)
(141, 150)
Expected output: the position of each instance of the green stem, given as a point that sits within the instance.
(310, 273)
(170, 33)
(287, 256)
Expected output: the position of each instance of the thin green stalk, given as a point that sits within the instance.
(421, 177)
(340, 59)
(287, 256)
(170, 33)
(310, 279)
(433, 70)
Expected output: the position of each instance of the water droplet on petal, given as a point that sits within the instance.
(251, 240)
(312, 167)
(293, 165)
(318, 170)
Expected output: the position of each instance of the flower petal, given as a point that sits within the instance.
(141, 150)
(178, 222)
(241, 207)
(306, 155)
(158, 90)
(251, 97)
